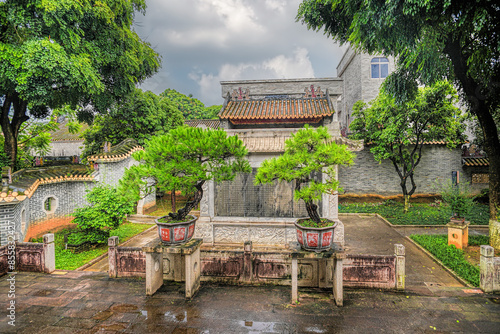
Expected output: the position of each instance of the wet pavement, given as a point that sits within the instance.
(90, 302)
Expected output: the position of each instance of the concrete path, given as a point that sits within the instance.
(89, 302)
(371, 235)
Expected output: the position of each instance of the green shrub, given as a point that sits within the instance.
(418, 214)
(458, 197)
(106, 211)
(449, 255)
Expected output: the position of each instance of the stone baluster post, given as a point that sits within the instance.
(487, 268)
(49, 253)
(399, 250)
(112, 256)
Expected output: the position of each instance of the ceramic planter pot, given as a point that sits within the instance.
(315, 239)
(176, 233)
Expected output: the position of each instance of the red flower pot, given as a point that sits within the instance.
(315, 239)
(176, 233)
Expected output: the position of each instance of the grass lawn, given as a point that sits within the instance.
(67, 260)
(419, 214)
(465, 263)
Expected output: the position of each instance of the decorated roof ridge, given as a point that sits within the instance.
(475, 162)
(279, 109)
(63, 134)
(26, 181)
(209, 123)
(430, 142)
(118, 152)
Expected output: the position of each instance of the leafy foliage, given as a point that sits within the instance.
(397, 132)
(432, 40)
(83, 54)
(67, 260)
(140, 116)
(307, 151)
(183, 160)
(190, 107)
(449, 255)
(418, 214)
(106, 211)
(458, 198)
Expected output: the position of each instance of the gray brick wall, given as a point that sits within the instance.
(68, 196)
(367, 176)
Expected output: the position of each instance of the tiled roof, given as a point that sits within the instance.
(118, 152)
(63, 134)
(26, 181)
(277, 110)
(208, 123)
(475, 162)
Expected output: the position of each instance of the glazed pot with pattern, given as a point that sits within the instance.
(313, 238)
(172, 234)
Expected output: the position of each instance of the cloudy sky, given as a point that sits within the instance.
(203, 42)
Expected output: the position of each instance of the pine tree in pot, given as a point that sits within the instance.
(183, 160)
(309, 150)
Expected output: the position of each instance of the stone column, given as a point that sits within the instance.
(193, 271)
(487, 269)
(154, 267)
(112, 257)
(295, 292)
(399, 250)
(338, 278)
(49, 253)
(247, 262)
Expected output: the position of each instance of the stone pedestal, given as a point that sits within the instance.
(333, 257)
(183, 265)
(458, 233)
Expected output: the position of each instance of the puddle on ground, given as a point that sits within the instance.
(178, 317)
(315, 330)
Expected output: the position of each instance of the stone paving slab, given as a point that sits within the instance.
(122, 307)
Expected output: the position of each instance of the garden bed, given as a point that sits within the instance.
(67, 260)
(418, 214)
(465, 263)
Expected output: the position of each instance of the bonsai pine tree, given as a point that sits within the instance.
(183, 160)
(309, 150)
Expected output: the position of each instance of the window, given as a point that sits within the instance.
(50, 205)
(380, 67)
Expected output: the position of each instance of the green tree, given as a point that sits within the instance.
(307, 151)
(432, 40)
(190, 107)
(106, 211)
(140, 116)
(397, 132)
(183, 160)
(78, 53)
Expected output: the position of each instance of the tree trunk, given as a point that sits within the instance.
(10, 127)
(190, 204)
(407, 203)
(312, 210)
(172, 200)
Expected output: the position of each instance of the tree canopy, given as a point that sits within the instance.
(190, 107)
(79, 53)
(397, 132)
(307, 151)
(183, 160)
(432, 40)
(140, 116)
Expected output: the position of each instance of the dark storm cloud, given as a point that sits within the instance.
(203, 42)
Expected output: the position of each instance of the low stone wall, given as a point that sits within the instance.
(234, 264)
(35, 257)
(125, 261)
(490, 270)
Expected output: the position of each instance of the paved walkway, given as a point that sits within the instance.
(90, 302)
